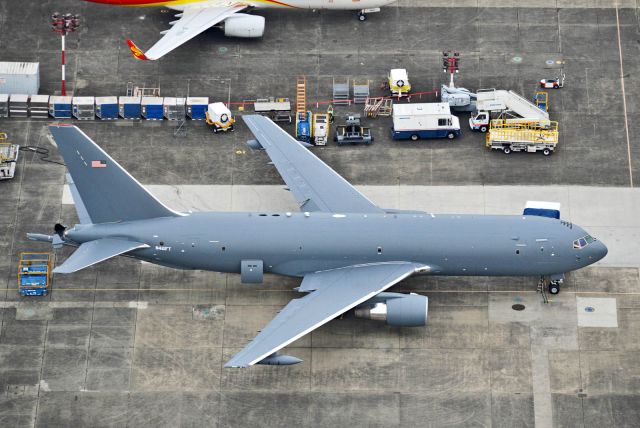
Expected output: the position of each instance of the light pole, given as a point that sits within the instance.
(450, 64)
(63, 24)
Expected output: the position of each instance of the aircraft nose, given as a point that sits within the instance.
(599, 250)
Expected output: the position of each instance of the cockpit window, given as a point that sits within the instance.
(583, 242)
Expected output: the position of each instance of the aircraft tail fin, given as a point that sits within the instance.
(136, 51)
(107, 192)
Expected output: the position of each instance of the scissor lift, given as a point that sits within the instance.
(34, 274)
(522, 136)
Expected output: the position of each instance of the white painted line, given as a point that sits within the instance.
(624, 99)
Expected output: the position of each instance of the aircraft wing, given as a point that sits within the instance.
(193, 21)
(333, 292)
(313, 183)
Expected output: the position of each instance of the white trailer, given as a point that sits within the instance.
(426, 120)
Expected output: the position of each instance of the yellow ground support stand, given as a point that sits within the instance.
(518, 136)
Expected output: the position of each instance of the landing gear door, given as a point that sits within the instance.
(251, 271)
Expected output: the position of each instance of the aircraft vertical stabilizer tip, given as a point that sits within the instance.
(136, 51)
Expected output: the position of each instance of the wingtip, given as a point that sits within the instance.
(136, 51)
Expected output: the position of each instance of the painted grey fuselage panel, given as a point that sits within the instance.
(294, 244)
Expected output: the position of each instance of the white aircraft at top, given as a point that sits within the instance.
(197, 16)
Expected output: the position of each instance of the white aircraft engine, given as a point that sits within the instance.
(402, 310)
(243, 25)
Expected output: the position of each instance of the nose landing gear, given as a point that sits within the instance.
(550, 284)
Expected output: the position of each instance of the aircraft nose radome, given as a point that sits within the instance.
(600, 250)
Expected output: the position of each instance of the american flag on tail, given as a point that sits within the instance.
(98, 164)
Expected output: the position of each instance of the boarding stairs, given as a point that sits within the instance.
(510, 101)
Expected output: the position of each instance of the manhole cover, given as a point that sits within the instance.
(551, 62)
(590, 309)
(516, 59)
(518, 307)
(222, 49)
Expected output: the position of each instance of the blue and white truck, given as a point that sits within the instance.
(427, 120)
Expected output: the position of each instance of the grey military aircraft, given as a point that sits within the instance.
(347, 250)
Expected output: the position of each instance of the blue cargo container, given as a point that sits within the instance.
(129, 107)
(197, 107)
(60, 107)
(107, 108)
(152, 108)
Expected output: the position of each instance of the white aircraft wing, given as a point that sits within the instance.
(313, 183)
(193, 21)
(332, 293)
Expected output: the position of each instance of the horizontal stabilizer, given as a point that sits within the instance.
(93, 252)
(542, 209)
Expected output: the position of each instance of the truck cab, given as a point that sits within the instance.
(479, 121)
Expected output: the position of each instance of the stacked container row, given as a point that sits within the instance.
(105, 108)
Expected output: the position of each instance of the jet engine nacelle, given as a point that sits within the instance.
(402, 310)
(243, 25)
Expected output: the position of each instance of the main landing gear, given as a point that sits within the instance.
(362, 14)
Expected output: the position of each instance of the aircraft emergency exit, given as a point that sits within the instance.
(197, 16)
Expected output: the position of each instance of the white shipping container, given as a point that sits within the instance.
(19, 77)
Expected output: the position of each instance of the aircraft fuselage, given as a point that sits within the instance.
(294, 244)
(290, 4)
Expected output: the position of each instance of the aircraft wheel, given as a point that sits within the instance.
(554, 288)
(362, 17)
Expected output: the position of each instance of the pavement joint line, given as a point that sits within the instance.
(624, 98)
(621, 293)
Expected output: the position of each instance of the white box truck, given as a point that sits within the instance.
(427, 120)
